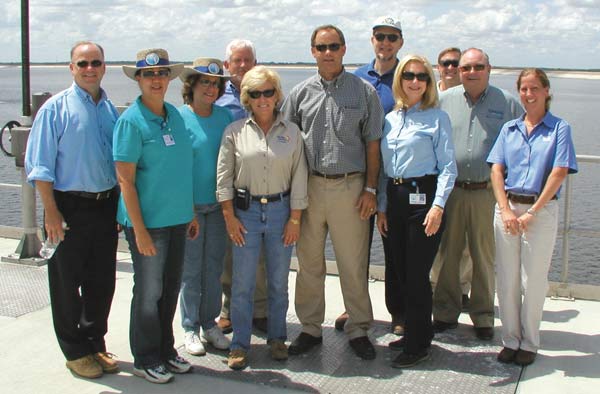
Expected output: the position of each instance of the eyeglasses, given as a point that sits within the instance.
(163, 73)
(468, 68)
(332, 47)
(205, 83)
(390, 37)
(257, 93)
(410, 76)
(448, 63)
(84, 63)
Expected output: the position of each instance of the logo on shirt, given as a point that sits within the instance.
(284, 139)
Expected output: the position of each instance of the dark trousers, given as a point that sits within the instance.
(81, 274)
(412, 254)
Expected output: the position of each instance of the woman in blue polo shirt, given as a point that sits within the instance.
(153, 157)
(530, 159)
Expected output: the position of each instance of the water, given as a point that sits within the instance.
(575, 100)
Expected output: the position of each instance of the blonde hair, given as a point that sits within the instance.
(430, 97)
(256, 77)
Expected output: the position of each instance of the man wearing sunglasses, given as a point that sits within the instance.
(341, 120)
(477, 112)
(69, 161)
(387, 40)
(447, 66)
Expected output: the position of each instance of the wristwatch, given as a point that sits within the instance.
(371, 190)
(532, 211)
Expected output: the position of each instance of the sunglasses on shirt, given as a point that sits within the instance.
(448, 63)
(390, 37)
(164, 73)
(84, 63)
(410, 76)
(332, 47)
(257, 93)
(468, 68)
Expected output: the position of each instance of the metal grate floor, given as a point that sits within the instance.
(23, 289)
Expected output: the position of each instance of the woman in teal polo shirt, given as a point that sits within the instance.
(153, 156)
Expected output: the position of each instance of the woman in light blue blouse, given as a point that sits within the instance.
(530, 159)
(417, 177)
(200, 297)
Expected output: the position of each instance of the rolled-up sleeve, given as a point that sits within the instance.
(446, 164)
(42, 147)
(299, 184)
(226, 166)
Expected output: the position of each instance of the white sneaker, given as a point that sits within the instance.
(178, 364)
(193, 345)
(215, 337)
(158, 374)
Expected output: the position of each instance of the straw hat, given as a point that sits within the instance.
(152, 58)
(206, 66)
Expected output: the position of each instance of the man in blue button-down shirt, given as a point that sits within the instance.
(69, 161)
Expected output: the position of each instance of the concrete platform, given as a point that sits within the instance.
(31, 362)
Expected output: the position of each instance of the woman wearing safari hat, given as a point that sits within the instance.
(153, 156)
(200, 296)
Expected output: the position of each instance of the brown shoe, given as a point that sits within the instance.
(86, 367)
(340, 322)
(107, 361)
(524, 357)
(279, 351)
(507, 355)
(225, 325)
(237, 359)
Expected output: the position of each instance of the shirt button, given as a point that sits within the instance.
(468, 165)
(326, 124)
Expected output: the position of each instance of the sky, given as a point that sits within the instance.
(551, 33)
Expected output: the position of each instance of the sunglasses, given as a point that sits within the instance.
(448, 63)
(476, 67)
(205, 83)
(410, 76)
(332, 47)
(164, 73)
(390, 37)
(257, 93)
(85, 63)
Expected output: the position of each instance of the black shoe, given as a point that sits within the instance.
(397, 345)
(507, 355)
(261, 324)
(304, 343)
(340, 322)
(441, 326)
(363, 348)
(484, 333)
(405, 360)
(465, 302)
(524, 357)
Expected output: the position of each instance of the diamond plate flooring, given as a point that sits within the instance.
(23, 289)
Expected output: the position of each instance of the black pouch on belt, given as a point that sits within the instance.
(242, 199)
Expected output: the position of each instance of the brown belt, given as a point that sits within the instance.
(471, 185)
(334, 176)
(523, 198)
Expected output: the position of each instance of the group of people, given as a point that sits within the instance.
(213, 196)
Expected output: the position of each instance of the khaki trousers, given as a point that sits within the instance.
(332, 208)
(466, 270)
(469, 217)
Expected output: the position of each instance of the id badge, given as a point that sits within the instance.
(417, 198)
(168, 138)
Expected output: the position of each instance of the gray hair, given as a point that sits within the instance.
(237, 44)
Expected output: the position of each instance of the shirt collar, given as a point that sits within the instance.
(336, 82)
(481, 98)
(85, 96)
(276, 122)
(371, 70)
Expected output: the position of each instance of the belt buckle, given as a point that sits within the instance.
(397, 181)
(263, 200)
(98, 196)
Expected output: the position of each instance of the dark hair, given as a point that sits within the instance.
(541, 76)
(187, 91)
(448, 50)
(327, 27)
(80, 43)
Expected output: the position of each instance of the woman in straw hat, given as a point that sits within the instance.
(153, 156)
(200, 297)
(262, 171)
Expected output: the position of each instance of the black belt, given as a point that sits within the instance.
(401, 181)
(271, 197)
(524, 198)
(334, 176)
(93, 196)
(471, 185)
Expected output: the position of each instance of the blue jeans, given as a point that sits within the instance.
(200, 296)
(156, 282)
(265, 224)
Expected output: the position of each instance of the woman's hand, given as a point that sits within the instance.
(291, 232)
(524, 221)
(144, 242)
(382, 225)
(433, 220)
(193, 228)
(236, 230)
(510, 221)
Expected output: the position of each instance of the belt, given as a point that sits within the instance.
(334, 176)
(524, 198)
(93, 196)
(271, 197)
(401, 181)
(471, 185)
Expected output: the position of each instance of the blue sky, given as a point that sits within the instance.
(552, 33)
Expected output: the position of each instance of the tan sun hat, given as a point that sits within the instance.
(206, 66)
(152, 58)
